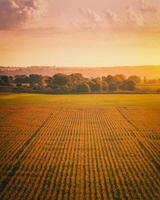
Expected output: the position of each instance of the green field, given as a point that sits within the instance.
(85, 147)
(88, 100)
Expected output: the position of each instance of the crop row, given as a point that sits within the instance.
(81, 154)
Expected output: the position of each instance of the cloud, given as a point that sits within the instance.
(110, 16)
(147, 7)
(143, 13)
(137, 14)
(90, 15)
(87, 20)
(133, 17)
(14, 13)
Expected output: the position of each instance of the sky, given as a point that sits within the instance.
(79, 32)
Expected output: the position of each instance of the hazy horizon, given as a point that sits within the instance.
(84, 66)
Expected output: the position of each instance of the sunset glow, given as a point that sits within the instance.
(79, 33)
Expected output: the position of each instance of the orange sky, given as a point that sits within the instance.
(80, 33)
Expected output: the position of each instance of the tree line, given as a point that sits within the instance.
(73, 83)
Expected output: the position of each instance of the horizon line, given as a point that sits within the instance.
(78, 66)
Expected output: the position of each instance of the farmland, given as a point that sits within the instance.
(149, 87)
(79, 147)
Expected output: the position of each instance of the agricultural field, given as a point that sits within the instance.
(79, 147)
(153, 87)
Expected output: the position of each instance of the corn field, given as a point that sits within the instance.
(62, 153)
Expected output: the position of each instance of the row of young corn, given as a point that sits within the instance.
(86, 154)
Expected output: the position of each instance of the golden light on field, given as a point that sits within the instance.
(53, 151)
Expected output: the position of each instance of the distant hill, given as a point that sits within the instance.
(150, 72)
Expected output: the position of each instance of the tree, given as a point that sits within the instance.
(60, 79)
(113, 86)
(83, 88)
(128, 85)
(74, 80)
(119, 78)
(112, 83)
(20, 79)
(76, 77)
(6, 80)
(46, 80)
(110, 79)
(62, 83)
(105, 86)
(145, 79)
(61, 89)
(35, 79)
(96, 85)
(135, 78)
